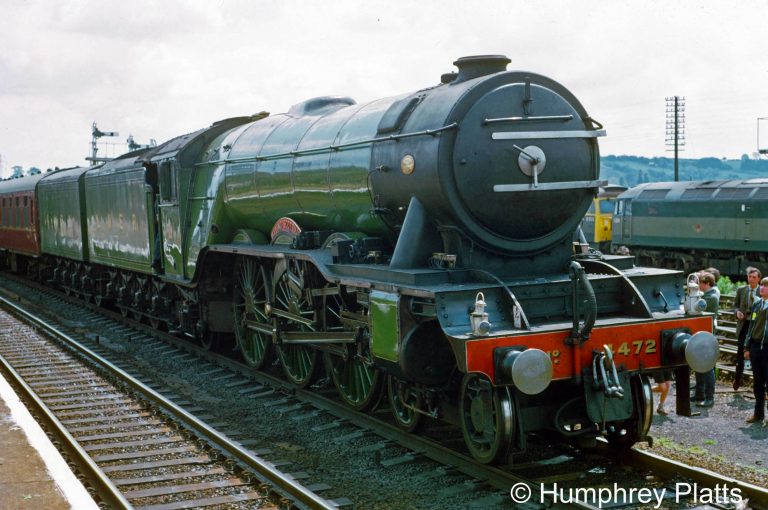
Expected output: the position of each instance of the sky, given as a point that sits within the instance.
(161, 68)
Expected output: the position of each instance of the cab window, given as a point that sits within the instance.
(168, 190)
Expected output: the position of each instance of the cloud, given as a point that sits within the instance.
(157, 69)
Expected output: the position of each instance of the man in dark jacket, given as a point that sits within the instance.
(756, 350)
(742, 307)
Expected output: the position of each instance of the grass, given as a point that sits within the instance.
(672, 445)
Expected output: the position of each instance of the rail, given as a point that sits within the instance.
(107, 490)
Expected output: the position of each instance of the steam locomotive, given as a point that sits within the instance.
(421, 245)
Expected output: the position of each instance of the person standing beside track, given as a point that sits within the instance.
(756, 350)
(742, 306)
(705, 382)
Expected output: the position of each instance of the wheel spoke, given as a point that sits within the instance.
(299, 362)
(400, 396)
(250, 290)
(485, 418)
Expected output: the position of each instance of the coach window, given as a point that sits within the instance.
(168, 191)
(25, 213)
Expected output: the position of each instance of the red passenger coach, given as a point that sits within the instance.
(19, 232)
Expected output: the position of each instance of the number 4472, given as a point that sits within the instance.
(636, 347)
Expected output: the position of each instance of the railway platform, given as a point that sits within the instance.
(33, 475)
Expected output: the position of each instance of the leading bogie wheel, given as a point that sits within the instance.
(487, 421)
(250, 299)
(405, 401)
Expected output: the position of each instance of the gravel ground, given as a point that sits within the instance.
(718, 438)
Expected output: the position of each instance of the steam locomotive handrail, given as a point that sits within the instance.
(329, 148)
(548, 186)
(560, 118)
(546, 135)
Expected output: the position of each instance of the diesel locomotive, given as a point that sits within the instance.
(597, 224)
(696, 224)
(420, 245)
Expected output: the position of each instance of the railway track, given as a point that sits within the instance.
(433, 456)
(136, 448)
(726, 335)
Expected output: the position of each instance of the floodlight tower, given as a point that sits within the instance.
(675, 132)
(96, 133)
